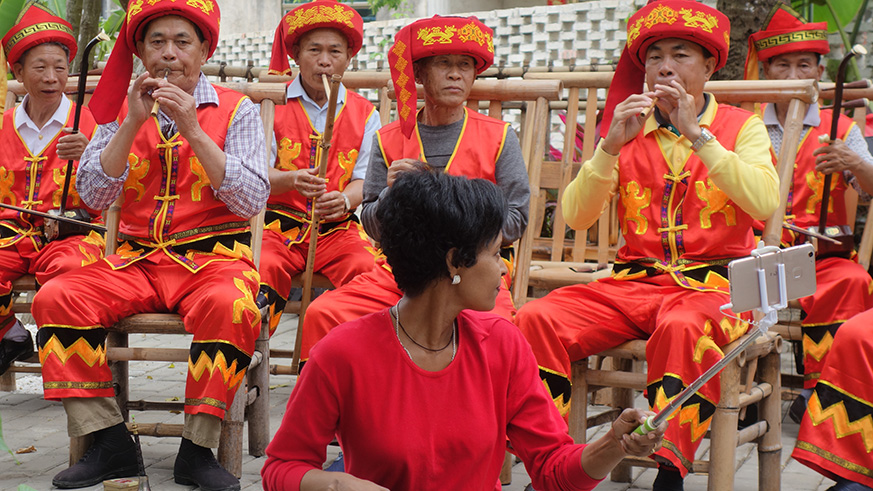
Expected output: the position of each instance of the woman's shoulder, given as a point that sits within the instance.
(491, 328)
(354, 336)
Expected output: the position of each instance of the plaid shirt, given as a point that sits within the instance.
(246, 184)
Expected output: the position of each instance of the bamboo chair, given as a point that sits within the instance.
(24, 288)
(738, 389)
(252, 398)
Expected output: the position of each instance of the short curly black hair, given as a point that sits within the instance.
(425, 214)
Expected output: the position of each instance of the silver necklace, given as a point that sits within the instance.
(395, 317)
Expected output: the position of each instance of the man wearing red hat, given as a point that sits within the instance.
(189, 178)
(36, 146)
(789, 48)
(322, 37)
(444, 55)
(836, 356)
(691, 180)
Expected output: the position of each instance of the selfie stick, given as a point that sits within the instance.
(768, 321)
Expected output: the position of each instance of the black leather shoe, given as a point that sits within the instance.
(668, 479)
(113, 454)
(14, 350)
(196, 466)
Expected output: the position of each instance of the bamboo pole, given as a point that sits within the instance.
(578, 419)
(507, 90)
(325, 142)
(772, 234)
(770, 445)
(724, 429)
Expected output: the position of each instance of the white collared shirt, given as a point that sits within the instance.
(36, 139)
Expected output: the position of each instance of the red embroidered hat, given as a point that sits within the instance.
(314, 15)
(112, 87)
(432, 37)
(37, 25)
(786, 32)
(663, 19)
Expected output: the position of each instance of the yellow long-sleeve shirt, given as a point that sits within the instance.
(747, 175)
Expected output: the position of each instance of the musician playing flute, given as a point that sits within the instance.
(322, 37)
(443, 135)
(36, 144)
(791, 49)
(190, 178)
(690, 180)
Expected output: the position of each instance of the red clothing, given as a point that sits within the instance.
(668, 283)
(836, 435)
(216, 305)
(184, 251)
(37, 182)
(409, 429)
(477, 151)
(677, 219)
(367, 293)
(342, 255)
(344, 251)
(475, 156)
(843, 288)
(169, 204)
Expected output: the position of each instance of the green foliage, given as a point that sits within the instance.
(9, 10)
(837, 13)
(59, 7)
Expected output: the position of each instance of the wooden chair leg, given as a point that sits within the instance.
(120, 373)
(230, 446)
(723, 441)
(770, 445)
(622, 399)
(7, 381)
(578, 419)
(258, 411)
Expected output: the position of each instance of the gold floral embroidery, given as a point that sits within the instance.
(437, 35)
(347, 162)
(202, 179)
(138, 170)
(716, 202)
(472, 32)
(634, 202)
(288, 152)
(661, 14)
(815, 181)
(699, 20)
(58, 176)
(7, 180)
(318, 15)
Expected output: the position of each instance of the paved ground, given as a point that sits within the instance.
(28, 420)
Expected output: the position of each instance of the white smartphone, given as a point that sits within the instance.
(799, 277)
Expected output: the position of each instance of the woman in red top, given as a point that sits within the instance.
(425, 394)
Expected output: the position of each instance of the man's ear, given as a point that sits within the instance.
(16, 71)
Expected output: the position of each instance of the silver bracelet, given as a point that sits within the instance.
(347, 205)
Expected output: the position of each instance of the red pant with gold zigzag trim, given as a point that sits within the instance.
(843, 290)
(836, 434)
(49, 261)
(216, 303)
(684, 329)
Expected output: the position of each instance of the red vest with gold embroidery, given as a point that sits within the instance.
(475, 155)
(168, 202)
(290, 214)
(804, 202)
(34, 181)
(675, 220)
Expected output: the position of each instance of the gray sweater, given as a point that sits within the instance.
(439, 143)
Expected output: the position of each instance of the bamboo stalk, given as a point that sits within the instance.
(325, 143)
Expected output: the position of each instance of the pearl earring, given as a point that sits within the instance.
(456, 279)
